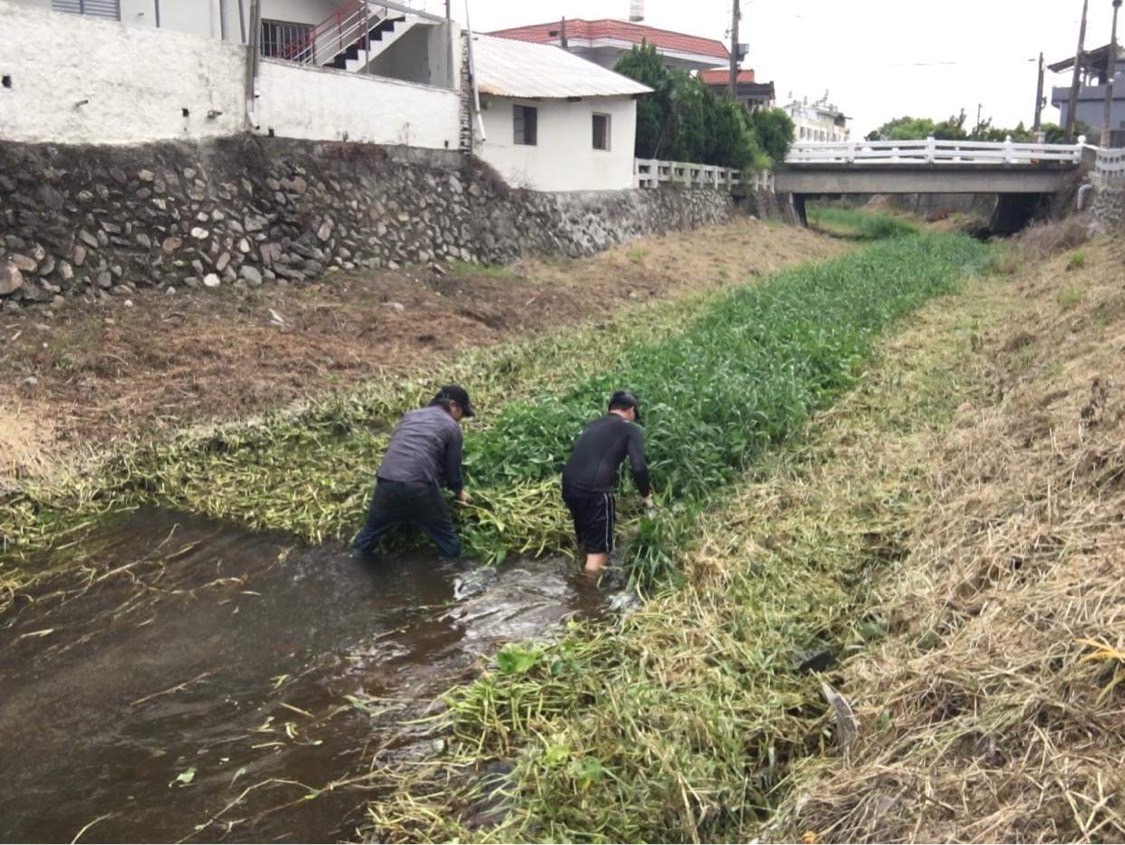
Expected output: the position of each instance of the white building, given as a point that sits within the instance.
(819, 121)
(553, 121)
(367, 73)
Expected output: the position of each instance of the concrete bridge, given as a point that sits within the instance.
(1025, 177)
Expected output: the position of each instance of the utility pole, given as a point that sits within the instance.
(1110, 70)
(1039, 98)
(1073, 105)
(735, 16)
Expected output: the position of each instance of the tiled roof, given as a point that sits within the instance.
(664, 40)
(722, 76)
(508, 67)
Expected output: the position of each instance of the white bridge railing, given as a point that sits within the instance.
(652, 173)
(1109, 169)
(931, 151)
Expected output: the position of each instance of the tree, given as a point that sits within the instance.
(773, 130)
(644, 65)
(683, 120)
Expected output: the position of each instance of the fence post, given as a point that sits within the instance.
(931, 149)
(1009, 156)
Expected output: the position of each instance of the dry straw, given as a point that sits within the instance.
(995, 711)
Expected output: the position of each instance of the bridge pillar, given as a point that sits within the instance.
(797, 203)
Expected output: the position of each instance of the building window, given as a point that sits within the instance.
(601, 132)
(108, 9)
(526, 122)
(286, 40)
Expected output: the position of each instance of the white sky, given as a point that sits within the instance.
(878, 59)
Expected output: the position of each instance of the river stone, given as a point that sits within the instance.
(11, 279)
(211, 280)
(23, 263)
(251, 275)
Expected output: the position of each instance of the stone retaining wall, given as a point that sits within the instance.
(1108, 208)
(97, 221)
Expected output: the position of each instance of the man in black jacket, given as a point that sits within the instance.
(591, 472)
(424, 454)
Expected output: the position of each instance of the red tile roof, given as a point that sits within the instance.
(722, 76)
(663, 39)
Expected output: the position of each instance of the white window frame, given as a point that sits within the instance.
(594, 129)
(519, 124)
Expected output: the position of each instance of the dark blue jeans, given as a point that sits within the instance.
(396, 503)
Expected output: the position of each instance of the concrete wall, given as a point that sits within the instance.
(564, 158)
(302, 102)
(212, 18)
(133, 84)
(421, 54)
(79, 80)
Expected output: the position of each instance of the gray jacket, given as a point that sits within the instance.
(426, 446)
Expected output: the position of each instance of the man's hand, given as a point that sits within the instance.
(464, 498)
(648, 503)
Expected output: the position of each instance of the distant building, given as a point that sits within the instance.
(753, 95)
(819, 121)
(1093, 75)
(605, 41)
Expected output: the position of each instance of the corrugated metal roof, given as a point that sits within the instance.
(507, 68)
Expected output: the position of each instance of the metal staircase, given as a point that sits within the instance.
(350, 38)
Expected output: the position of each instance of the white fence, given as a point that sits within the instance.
(1109, 168)
(931, 151)
(652, 173)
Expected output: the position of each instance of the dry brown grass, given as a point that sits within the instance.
(995, 709)
(24, 445)
(1044, 240)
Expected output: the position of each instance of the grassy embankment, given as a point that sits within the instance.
(934, 525)
(856, 225)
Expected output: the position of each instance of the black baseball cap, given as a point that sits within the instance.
(458, 394)
(625, 399)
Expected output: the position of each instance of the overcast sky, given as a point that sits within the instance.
(878, 59)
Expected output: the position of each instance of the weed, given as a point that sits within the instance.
(1076, 260)
(857, 224)
(1071, 297)
(468, 268)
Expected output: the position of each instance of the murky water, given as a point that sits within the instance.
(208, 683)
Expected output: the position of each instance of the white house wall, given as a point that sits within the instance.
(300, 102)
(77, 80)
(207, 17)
(564, 158)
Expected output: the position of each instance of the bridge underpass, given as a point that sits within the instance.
(1029, 180)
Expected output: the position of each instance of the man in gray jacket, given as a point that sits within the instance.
(424, 454)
